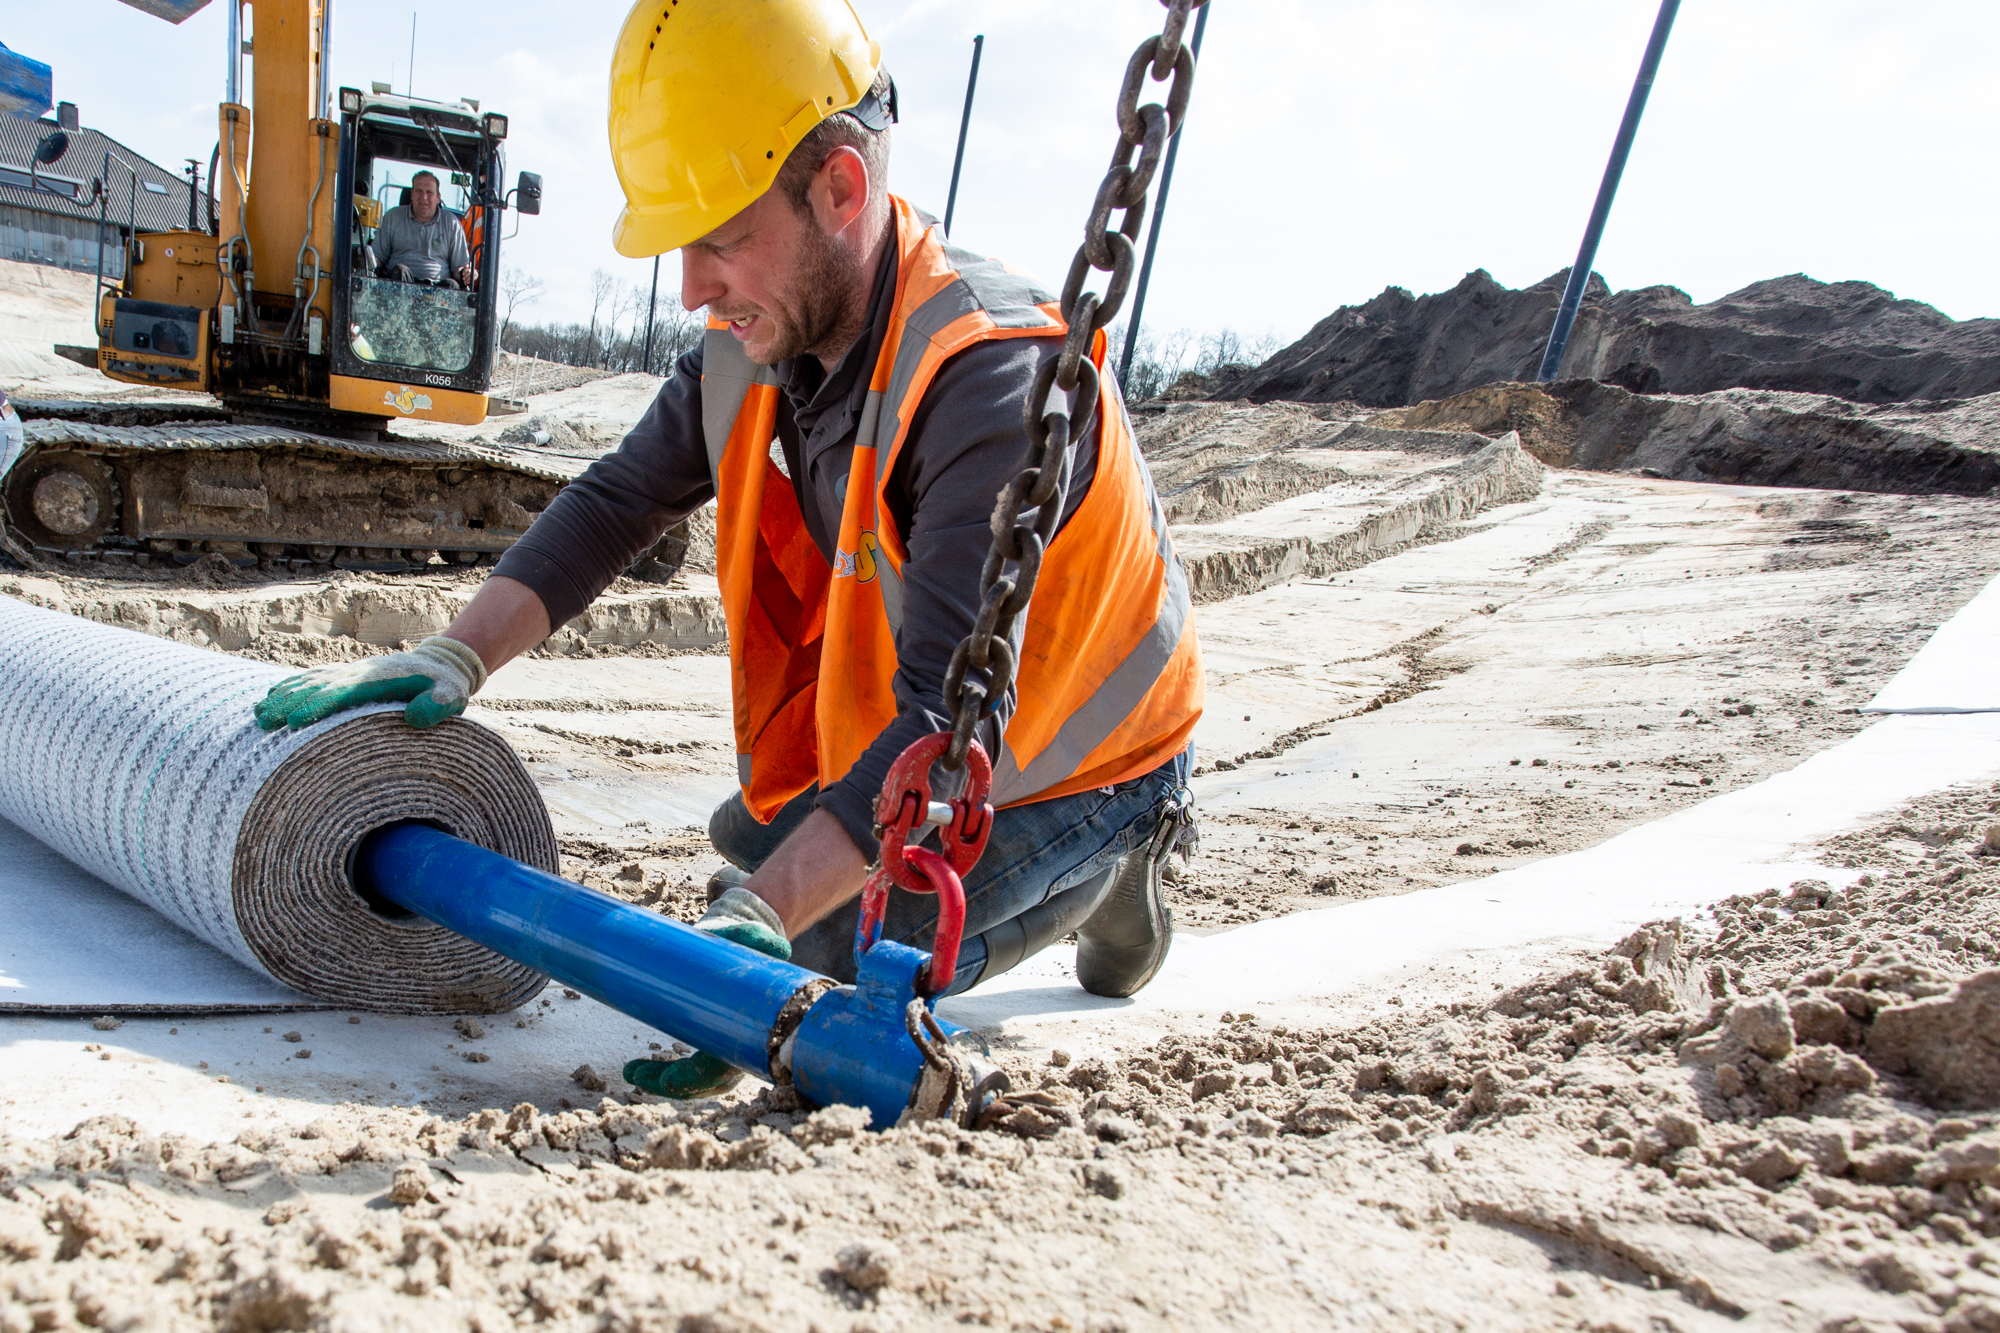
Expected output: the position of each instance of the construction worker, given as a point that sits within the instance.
(423, 241)
(888, 370)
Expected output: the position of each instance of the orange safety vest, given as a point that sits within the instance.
(1110, 681)
(474, 222)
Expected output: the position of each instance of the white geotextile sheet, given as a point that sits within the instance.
(70, 943)
(1957, 671)
(53, 939)
(1745, 842)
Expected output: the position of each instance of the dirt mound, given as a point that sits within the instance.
(542, 432)
(1793, 334)
(1378, 491)
(350, 614)
(1742, 436)
(170, 407)
(1212, 461)
(516, 376)
(1426, 507)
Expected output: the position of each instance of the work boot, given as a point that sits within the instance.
(722, 881)
(1121, 947)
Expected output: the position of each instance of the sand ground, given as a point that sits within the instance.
(1711, 1124)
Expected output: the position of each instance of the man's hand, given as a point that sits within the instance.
(740, 917)
(435, 679)
(465, 277)
(504, 619)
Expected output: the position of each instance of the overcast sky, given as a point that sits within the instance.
(1335, 147)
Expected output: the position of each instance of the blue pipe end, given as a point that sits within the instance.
(854, 1045)
(851, 1045)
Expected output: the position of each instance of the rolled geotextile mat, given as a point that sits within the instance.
(138, 760)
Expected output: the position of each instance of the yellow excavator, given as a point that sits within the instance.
(280, 312)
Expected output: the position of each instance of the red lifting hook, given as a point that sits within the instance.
(904, 804)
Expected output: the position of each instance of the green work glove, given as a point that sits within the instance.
(434, 678)
(740, 917)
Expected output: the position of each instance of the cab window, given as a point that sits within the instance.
(430, 322)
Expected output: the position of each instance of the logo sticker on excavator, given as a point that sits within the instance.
(407, 401)
(858, 564)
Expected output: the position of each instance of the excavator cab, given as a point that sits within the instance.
(413, 348)
(275, 307)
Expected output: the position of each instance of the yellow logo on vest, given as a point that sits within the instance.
(858, 564)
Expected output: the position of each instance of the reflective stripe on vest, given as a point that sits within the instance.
(1104, 696)
(726, 379)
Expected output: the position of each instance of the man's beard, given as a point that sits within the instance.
(818, 312)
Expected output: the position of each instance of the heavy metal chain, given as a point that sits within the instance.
(982, 668)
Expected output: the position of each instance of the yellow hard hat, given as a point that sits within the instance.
(708, 97)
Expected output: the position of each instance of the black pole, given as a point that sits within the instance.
(194, 185)
(1159, 212)
(646, 362)
(964, 124)
(1579, 273)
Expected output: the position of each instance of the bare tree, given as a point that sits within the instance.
(674, 332)
(635, 341)
(517, 289)
(1218, 350)
(602, 288)
(1157, 362)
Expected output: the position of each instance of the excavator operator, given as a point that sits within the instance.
(422, 241)
(855, 406)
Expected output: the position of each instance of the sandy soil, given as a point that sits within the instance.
(1760, 1127)
(1428, 660)
(40, 307)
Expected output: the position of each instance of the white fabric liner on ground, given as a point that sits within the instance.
(70, 943)
(138, 761)
(1745, 842)
(1958, 671)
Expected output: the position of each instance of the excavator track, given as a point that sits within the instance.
(283, 500)
(115, 412)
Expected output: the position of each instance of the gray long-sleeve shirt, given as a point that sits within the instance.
(966, 440)
(432, 250)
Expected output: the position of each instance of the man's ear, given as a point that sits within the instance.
(840, 190)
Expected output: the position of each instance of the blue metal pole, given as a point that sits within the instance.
(964, 124)
(1579, 273)
(714, 995)
(1159, 215)
(851, 1046)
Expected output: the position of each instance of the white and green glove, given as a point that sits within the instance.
(435, 678)
(740, 917)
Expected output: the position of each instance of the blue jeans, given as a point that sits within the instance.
(1036, 852)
